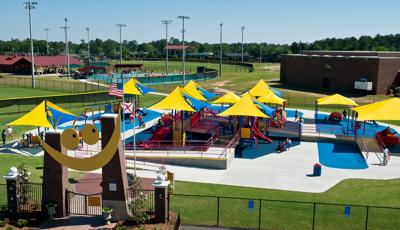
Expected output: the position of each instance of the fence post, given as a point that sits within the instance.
(86, 205)
(218, 212)
(259, 215)
(313, 217)
(366, 218)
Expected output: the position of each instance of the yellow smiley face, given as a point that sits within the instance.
(70, 140)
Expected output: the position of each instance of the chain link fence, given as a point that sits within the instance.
(67, 101)
(232, 212)
(65, 85)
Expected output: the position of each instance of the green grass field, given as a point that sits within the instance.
(233, 212)
(14, 92)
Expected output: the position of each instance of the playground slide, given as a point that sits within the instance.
(160, 134)
(258, 134)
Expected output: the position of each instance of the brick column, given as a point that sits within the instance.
(161, 201)
(11, 183)
(114, 177)
(55, 177)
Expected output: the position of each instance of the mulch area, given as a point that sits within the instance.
(89, 184)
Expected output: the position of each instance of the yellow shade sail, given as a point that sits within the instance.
(244, 107)
(56, 107)
(336, 99)
(271, 98)
(227, 98)
(191, 89)
(36, 117)
(387, 110)
(174, 101)
(130, 87)
(260, 89)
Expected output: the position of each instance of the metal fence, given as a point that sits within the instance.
(67, 101)
(233, 212)
(3, 197)
(148, 203)
(65, 86)
(29, 197)
(83, 204)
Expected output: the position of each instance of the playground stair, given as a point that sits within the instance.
(371, 150)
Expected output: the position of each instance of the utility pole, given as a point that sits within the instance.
(120, 41)
(300, 47)
(30, 6)
(260, 53)
(88, 43)
(183, 18)
(242, 41)
(166, 23)
(220, 51)
(47, 40)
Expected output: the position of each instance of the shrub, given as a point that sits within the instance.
(137, 205)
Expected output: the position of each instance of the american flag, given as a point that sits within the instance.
(115, 90)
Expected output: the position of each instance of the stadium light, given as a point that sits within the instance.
(220, 52)
(65, 27)
(166, 23)
(30, 6)
(242, 41)
(120, 41)
(183, 18)
(88, 43)
(47, 40)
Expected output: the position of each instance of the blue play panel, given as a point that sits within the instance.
(345, 127)
(150, 115)
(291, 112)
(341, 155)
(247, 150)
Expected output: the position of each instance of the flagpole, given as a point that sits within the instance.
(134, 135)
(123, 113)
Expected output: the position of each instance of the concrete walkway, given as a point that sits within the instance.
(76, 222)
(289, 170)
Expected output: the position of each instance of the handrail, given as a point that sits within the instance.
(382, 145)
(363, 147)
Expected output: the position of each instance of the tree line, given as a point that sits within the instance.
(109, 49)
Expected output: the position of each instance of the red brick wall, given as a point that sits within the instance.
(309, 71)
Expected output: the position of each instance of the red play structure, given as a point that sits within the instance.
(388, 138)
(258, 134)
(279, 118)
(335, 116)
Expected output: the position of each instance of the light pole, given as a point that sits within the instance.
(260, 52)
(220, 49)
(183, 18)
(242, 41)
(300, 47)
(120, 41)
(65, 27)
(88, 43)
(166, 23)
(47, 40)
(30, 6)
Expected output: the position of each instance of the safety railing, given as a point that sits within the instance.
(363, 147)
(382, 145)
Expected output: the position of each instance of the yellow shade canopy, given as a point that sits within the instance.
(227, 98)
(336, 99)
(130, 87)
(260, 89)
(272, 98)
(174, 101)
(36, 117)
(387, 110)
(191, 89)
(244, 107)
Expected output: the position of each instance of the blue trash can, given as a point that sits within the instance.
(317, 170)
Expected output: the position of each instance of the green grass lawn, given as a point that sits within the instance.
(13, 92)
(278, 215)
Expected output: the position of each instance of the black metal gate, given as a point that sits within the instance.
(82, 204)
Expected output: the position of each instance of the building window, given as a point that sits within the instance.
(327, 68)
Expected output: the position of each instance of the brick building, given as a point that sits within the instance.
(342, 71)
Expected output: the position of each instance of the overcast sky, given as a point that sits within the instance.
(278, 21)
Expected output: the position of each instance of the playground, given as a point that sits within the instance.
(234, 137)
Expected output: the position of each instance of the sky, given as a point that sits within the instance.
(271, 21)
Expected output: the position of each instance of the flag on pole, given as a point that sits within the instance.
(115, 89)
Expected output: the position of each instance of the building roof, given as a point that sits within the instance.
(177, 47)
(39, 60)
